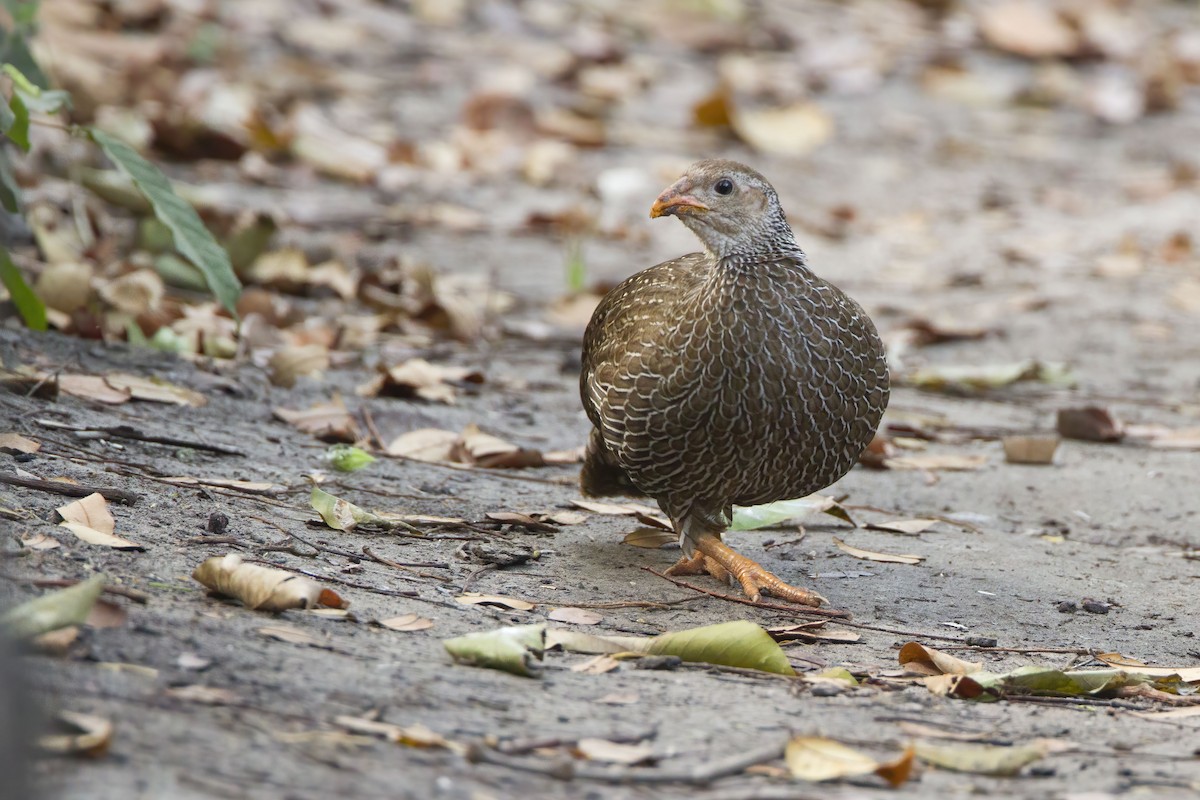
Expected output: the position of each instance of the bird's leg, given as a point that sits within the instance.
(711, 551)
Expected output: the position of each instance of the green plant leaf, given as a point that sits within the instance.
(10, 192)
(346, 458)
(52, 611)
(731, 644)
(7, 117)
(981, 759)
(14, 49)
(18, 131)
(29, 305)
(192, 239)
(517, 649)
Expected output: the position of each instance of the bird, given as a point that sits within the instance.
(730, 376)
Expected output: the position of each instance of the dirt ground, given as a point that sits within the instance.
(967, 209)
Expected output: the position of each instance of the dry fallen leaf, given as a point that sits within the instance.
(329, 422)
(981, 759)
(868, 555)
(925, 660)
(286, 633)
(16, 444)
(417, 378)
(86, 735)
(1089, 424)
(154, 390)
(295, 361)
(1030, 449)
(406, 622)
(263, 588)
(596, 665)
(425, 444)
(474, 599)
(484, 450)
(619, 699)
(951, 462)
(907, 526)
(40, 541)
(1027, 28)
(614, 752)
(575, 616)
(91, 521)
(794, 130)
(814, 758)
(92, 387)
(204, 695)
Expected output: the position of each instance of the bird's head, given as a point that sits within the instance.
(730, 207)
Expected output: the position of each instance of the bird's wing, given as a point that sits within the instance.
(630, 320)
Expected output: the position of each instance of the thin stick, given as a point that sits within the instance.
(363, 586)
(59, 583)
(568, 769)
(72, 489)
(387, 562)
(129, 432)
(1078, 651)
(665, 604)
(793, 609)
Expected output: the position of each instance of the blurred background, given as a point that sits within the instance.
(467, 169)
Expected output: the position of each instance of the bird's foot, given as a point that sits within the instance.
(699, 564)
(723, 562)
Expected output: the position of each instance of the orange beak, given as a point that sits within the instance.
(677, 201)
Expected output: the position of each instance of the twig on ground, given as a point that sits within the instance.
(61, 583)
(408, 566)
(516, 747)
(664, 604)
(129, 432)
(72, 489)
(793, 609)
(568, 769)
(233, 540)
(471, 578)
(1079, 651)
(354, 585)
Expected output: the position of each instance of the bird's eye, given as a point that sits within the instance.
(724, 186)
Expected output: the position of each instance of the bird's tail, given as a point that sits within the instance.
(601, 475)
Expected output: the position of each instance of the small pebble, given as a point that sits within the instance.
(1095, 606)
(982, 641)
(217, 523)
(826, 690)
(1067, 606)
(658, 662)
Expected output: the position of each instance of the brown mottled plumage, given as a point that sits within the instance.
(734, 376)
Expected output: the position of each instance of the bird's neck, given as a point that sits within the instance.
(771, 242)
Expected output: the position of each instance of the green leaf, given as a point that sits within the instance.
(731, 644)
(10, 192)
(346, 458)
(18, 131)
(29, 305)
(14, 49)
(516, 649)
(748, 518)
(339, 514)
(52, 611)
(981, 759)
(7, 117)
(192, 239)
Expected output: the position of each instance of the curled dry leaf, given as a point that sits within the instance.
(263, 588)
(575, 616)
(296, 361)
(1030, 449)
(406, 622)
(906, 526)
(925, 660)
(329, 422)
(475, 599)
(614, 752)
(870, 555)
(425, 444)
(484, 450)
(92, 387)
(417, 378)
(291, 635)
(814, 758)
(91, 521)
(339, 514)
(40, 541)
(82, 735)
(1089, 424)
(517, 649)
(410, 735)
